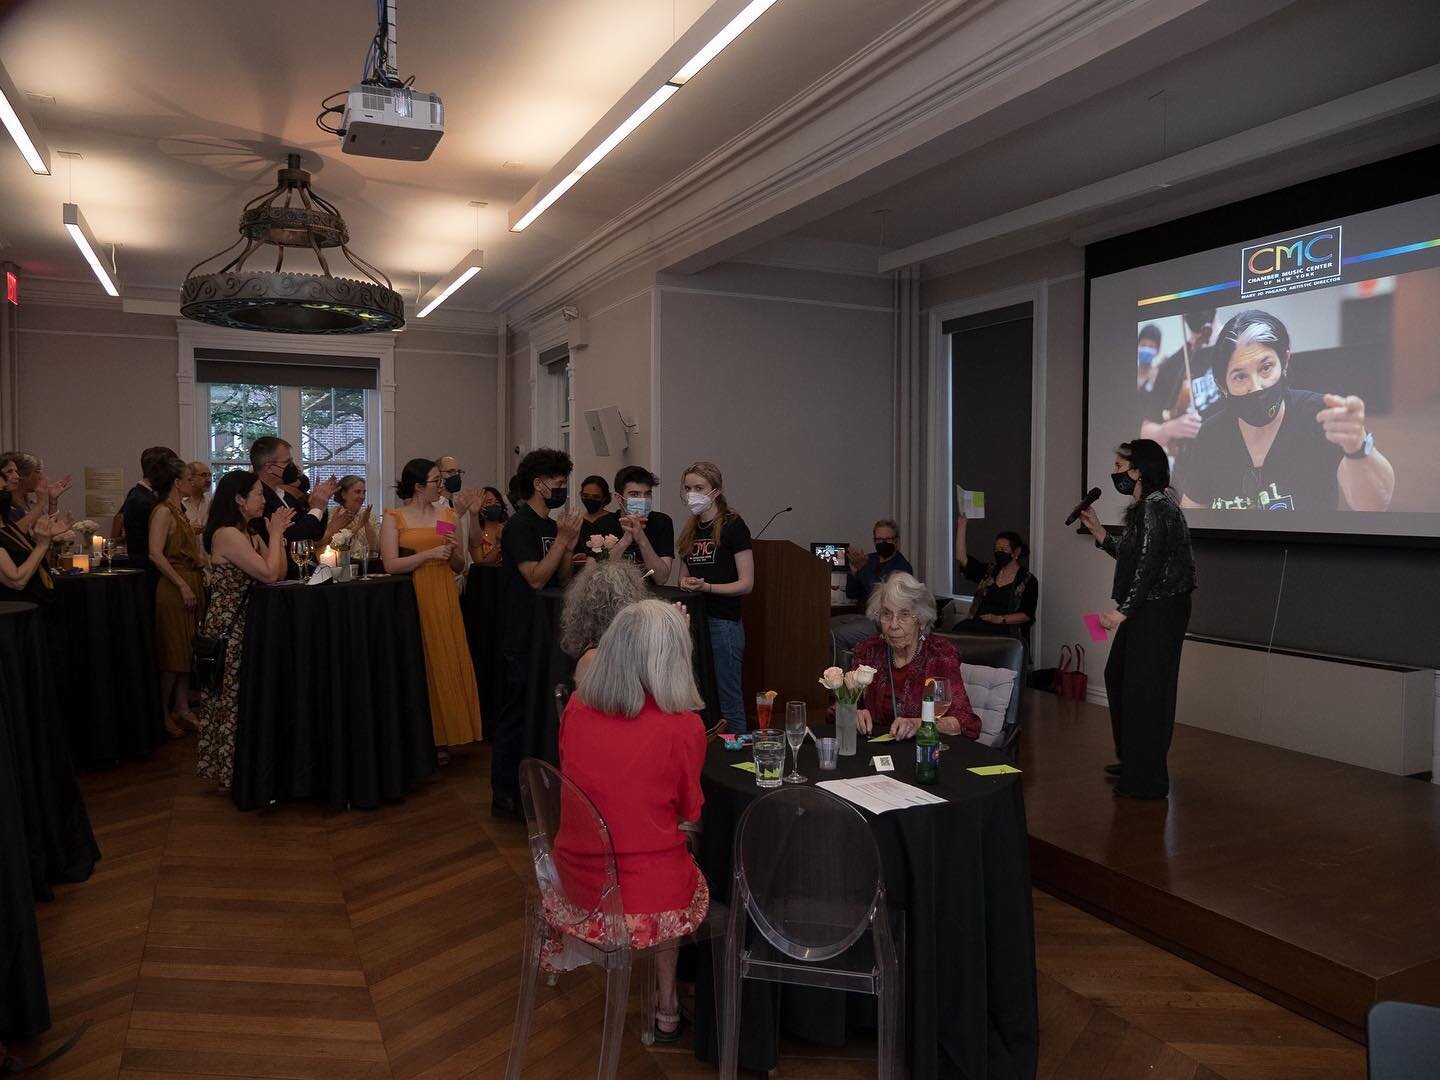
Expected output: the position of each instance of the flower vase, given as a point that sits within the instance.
(845, 727)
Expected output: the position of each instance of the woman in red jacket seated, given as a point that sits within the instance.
(630, 739)
(904, 654)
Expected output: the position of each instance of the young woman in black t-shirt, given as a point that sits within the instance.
(715, 547)
(1275, 447)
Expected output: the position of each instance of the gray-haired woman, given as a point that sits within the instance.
(904, 655)
(594, 598)
(631, 740)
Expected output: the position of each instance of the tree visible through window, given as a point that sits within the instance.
(333, 437)
(334, 432)
(240, 414)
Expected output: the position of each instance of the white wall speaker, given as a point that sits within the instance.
(608, 433)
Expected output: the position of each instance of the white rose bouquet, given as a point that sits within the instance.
(342, 539)
(599, 547)
(848, 686)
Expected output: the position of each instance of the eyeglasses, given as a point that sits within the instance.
(452, 472)
(898, 618)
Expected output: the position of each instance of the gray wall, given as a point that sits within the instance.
(784, 380)
(96, 386)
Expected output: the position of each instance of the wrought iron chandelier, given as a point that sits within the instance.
(291, 215)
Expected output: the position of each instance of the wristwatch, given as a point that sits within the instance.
(1367, 447)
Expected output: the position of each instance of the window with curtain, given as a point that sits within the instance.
(333, 429)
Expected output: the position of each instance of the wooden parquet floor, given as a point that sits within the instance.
(303, 943)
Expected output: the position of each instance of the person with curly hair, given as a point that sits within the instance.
(592, 601)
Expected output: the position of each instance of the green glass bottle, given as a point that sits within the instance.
(927, 744)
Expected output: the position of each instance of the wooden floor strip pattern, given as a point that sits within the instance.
(303, 943)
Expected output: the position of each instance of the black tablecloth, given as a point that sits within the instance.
(550, 666)
(24, 1005)
(961, 874)
(483, 606)
(111, 699)
(60, 843)
(333, 703)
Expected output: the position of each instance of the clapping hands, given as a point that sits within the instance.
(279, 522)
(322, 492)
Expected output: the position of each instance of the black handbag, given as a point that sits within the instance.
(207, 654)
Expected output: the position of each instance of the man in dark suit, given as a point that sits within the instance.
(274, 462)
(135, 512)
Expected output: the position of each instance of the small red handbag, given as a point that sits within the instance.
(1071, 682)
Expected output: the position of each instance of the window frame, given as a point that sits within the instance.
(194, 405)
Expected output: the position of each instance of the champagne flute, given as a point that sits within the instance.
(940, 691)
(795, 725)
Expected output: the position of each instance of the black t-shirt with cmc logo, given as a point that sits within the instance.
(1298, 472)
(716, 562)
(527, 538)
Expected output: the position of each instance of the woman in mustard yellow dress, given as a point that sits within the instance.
(431, 533)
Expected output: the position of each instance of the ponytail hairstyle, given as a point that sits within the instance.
(710, 473)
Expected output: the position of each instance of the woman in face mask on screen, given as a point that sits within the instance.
(714, 545)
(1276, 447)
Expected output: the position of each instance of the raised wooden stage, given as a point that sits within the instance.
(1315, 884)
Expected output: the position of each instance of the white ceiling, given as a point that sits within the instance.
(182, 111)
(1311, 52)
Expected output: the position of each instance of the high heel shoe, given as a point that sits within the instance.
(188, 721)
(174, 730)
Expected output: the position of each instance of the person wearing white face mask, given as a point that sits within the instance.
(715, 548)
(646, 535)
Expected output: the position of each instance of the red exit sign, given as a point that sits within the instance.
(12, 288)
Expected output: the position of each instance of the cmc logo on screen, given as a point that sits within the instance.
(1293, 263)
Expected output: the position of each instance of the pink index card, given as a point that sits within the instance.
(727, 736)
(445, 528)
(1097, 632)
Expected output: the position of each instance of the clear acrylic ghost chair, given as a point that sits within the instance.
(559, 813)
(1403, 1041)
(807, 875)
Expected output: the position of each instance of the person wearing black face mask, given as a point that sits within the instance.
(273, 461)
(1005, 592)
(463, 502)
(864, 573)
(1273, 446)
(1154, 577)
(867, 571)
(536, 552)
(489, 525)
(595, 504)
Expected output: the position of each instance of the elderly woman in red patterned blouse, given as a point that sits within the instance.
(905, 654)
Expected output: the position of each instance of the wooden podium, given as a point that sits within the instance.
(787, 628)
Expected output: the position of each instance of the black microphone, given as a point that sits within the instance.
(1083, 505)
(773, 516)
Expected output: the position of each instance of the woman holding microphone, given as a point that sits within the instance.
(1154, 577)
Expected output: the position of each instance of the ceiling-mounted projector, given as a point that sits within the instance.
(383, 116)
(391, 122)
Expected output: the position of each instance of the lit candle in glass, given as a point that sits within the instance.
(330, 557)
(80, 563)
(97, 546)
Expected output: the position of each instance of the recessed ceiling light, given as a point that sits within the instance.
(512, 164)
(39, 98)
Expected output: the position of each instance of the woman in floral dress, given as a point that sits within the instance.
(239, 559)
